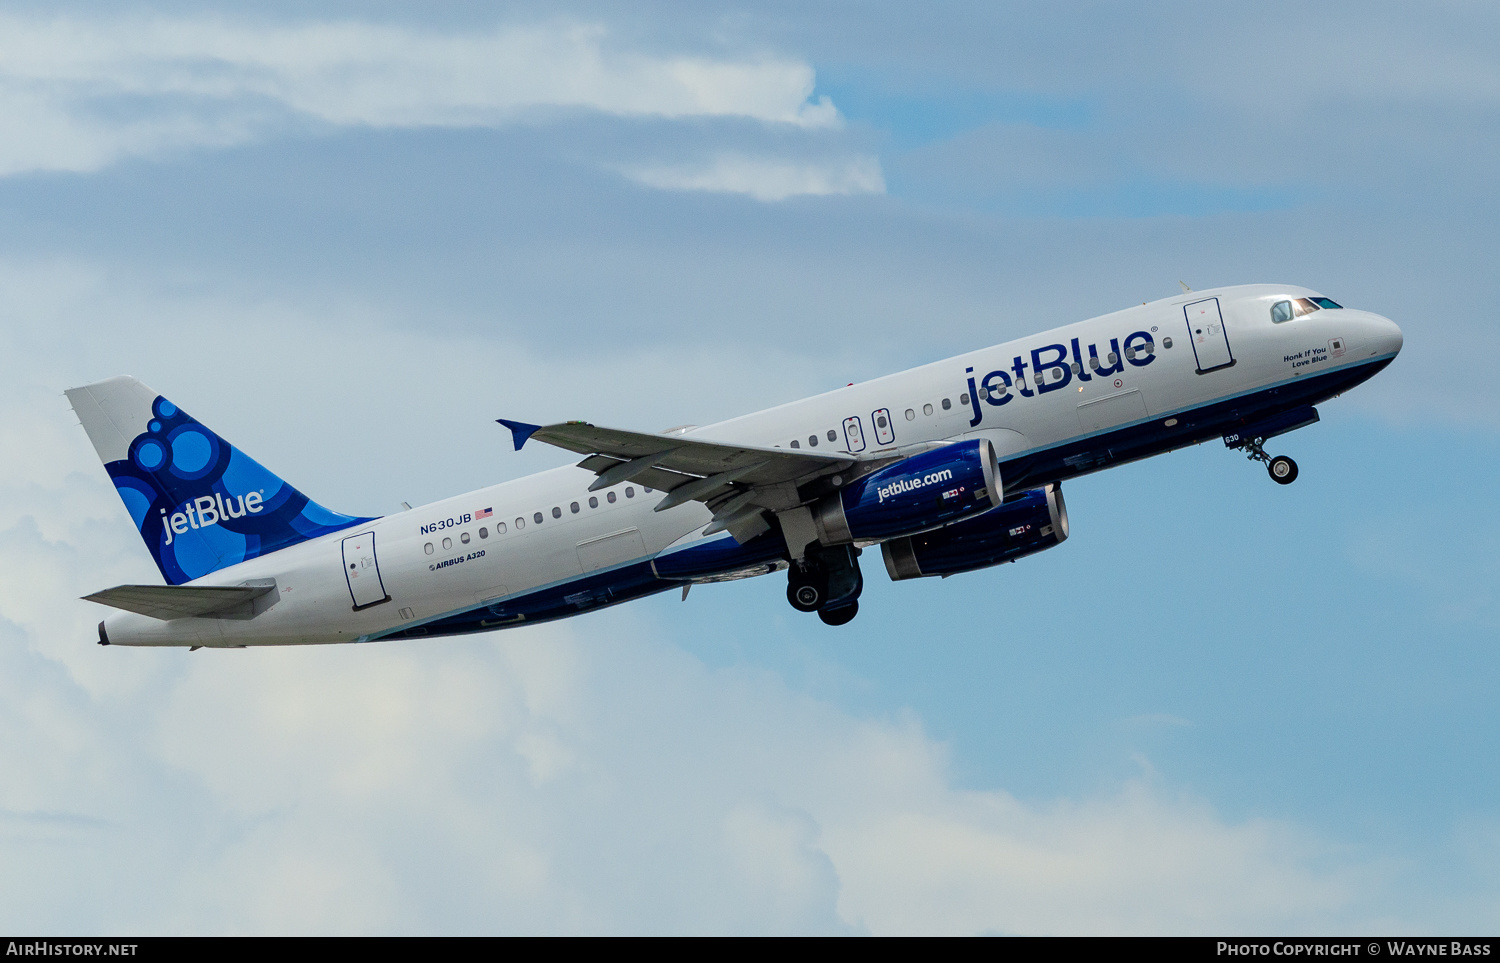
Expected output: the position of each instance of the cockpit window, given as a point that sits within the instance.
(1296, 308)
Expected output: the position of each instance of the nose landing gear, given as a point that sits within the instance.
(827, 581)
(1283, 470)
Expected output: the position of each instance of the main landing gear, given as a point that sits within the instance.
(826, 581)
(1283, 470)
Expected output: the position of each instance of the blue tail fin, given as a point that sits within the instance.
(200, 503)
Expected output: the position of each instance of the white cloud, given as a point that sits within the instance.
(77, 94)
(397, 788)
(766, 178)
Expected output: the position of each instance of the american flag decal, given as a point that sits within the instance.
(484, 513)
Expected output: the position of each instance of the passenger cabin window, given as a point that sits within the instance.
(464, 538)
(556, 512)
(484, 532)
(832, 435)
(629, 492)
(428, 548)
(947, 404)
(573, 508)
(500, 527)
(447, 543)
(537, 517)
(812, 441)
(520, 524)
(927, 409)
(610, 496)
(593, 502)
(796, 444)
(911, 415)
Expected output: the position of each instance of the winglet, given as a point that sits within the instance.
(520, 430)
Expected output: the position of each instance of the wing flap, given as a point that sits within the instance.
(661, 479)
(649, 476)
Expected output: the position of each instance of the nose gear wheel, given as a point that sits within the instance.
(1283, 470)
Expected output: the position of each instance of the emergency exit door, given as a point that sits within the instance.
(1206, 329)
(854, 435)
(362, 571)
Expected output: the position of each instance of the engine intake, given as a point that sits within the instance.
(924, 491)
(1023, 525)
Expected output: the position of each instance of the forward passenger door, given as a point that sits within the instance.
(1210, 340)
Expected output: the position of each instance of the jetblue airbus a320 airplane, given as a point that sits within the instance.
(950, 467)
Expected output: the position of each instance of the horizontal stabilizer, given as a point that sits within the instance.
(169, 602)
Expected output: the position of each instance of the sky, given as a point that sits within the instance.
(350, 236)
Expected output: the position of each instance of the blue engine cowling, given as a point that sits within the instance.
(935, 488)
(1023, 524)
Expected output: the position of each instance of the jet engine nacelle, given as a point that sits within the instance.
(1022, 525)
(925, 491)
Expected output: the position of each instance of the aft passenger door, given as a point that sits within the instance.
(1210, 340)
(362, 571)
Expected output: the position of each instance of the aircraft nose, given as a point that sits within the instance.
(1385, 336)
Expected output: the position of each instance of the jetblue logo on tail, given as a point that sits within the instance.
(209, 510)
(200, 503)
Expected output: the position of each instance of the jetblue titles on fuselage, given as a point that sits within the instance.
(1055, 372)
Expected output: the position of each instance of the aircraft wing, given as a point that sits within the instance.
(739, 482)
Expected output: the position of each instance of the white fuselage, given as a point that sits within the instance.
(443, 558)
